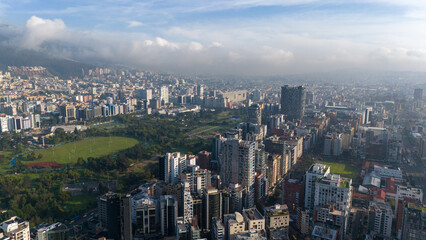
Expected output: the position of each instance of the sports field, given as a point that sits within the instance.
(92, 147)
(344, 169)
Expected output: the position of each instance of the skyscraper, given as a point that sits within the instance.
(167, 209)
(237, 165)
(126, 217)
(380, 218)
(255, 114)
(418, 94)
(109, 214)
(164, 94)
(171, 166)
(316, 171)
(187, 202)
(293, 102)
(414, 222)
(212, 206)
(200, 90)
(146, 94)
(218, 230)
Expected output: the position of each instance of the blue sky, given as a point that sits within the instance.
(235, 37)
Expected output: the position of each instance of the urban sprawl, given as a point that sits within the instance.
(286, 161)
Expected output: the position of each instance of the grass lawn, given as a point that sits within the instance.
(93, 147)
(79, 203)
(344, 169)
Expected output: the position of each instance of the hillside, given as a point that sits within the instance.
(56, 66)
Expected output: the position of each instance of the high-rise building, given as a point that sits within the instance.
(315, 172)
(187, 202)
(126, 217)
(303, 220)
(109, 214)
(68, 112)
(414, 222)
(197, 179)
(332, 217)
(293, 194)
(17, 229)
(145, 94)
(237, 165)
(293, 102)
(172, 165)
(333, 144)
(198, 211)
(212, 206)
(260, 187)
(255, 114)
(277, 218)
(144, 215)
(200, 90)
(418, 94)
(4, 124)
(403, 196)
(275, 122)
(234, 224)
(216, 150)
(334, 190)
(233, 198)
(218, 230)
(254, 219)
(167, 210)
(381, 219)
(366, 115)
(310, 97)
(272, 172)
(164, 95)
(260, 160)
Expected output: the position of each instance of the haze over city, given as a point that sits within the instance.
(212, 120)
(224, 37)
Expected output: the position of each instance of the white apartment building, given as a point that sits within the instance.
(254, 220)
(382, 218)
(316, 171)
(334, 190)
(16, 229)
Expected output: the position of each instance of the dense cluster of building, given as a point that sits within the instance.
(249, 186)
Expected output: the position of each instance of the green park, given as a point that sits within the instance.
(92, 147)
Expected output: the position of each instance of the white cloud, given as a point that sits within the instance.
(39, 30)
(240, 48)
(161, 42)
(195, 46)
(132, 24)
(216, 44)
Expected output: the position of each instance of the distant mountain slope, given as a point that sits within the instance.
(56, 66)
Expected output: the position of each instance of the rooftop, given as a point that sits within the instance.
(252, 214)
(277, 210)
(324, 233)
(319, 168)
(417, 207)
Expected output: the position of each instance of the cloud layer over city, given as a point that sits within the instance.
(225, 37)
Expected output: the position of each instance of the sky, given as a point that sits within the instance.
(240, 37)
